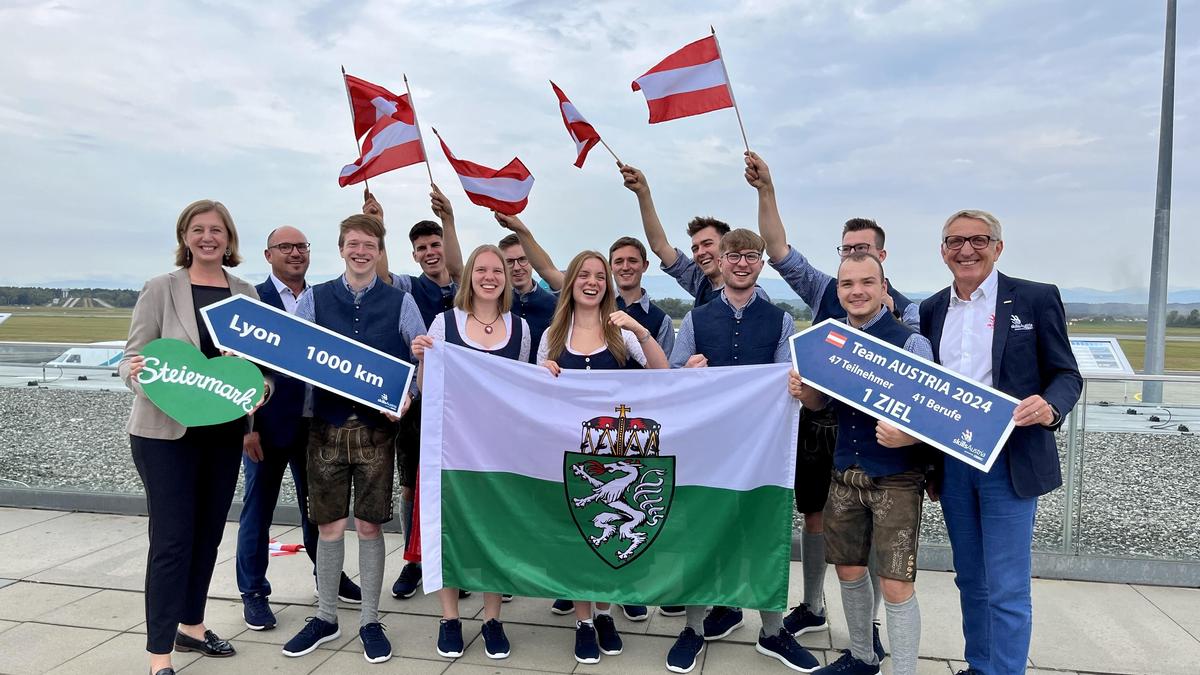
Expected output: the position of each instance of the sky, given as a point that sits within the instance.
(115, 115)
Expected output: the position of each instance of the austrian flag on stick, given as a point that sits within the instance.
(505, 190)
(584, 134)
(392, 139)
(689, 82)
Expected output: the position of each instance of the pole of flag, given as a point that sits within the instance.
(350, 102)
(417, 123)
(614, 155)
(729, 84)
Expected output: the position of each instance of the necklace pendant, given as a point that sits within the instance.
(487, 329)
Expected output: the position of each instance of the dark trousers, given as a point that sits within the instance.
(264, 480)
(189, 485)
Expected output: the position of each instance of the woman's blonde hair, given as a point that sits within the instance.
(464, 299)
(565, 311)
(183, 256)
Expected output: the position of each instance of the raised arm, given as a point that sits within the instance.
(656, 236)
(450, 247)
(770, 224)
(538, 258)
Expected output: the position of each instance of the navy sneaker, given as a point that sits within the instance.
(969, 671)
(803, 620)
(506, 597)
(376, 648)
(406, 584)
(562, 607)
(315, 633)
(587, 650)
(257, 612)
(450, 639)
(683, 654)
(722, 621)
(783, 646)
(463, 593)
(672, 610)
(348, 591)
(607, 635)
(495, 642)
(876, 643)
(635, 612)
(848, 665)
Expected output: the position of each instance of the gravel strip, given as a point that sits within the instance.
(1138, 492)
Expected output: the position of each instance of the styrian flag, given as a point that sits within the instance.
(607, 485)
(505, 190)
(689, 82)
(584, 134)
(392, 139)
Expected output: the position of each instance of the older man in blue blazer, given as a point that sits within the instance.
(1010, 334)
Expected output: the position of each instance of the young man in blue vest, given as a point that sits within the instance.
(817, 433)
(435, 248)
(279, 440)
(873, 513)
(530, 301)
(738, 328)
(350, 445)
(627, 256)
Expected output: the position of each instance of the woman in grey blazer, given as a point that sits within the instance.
(189, 474)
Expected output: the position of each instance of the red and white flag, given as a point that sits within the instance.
(584, 134)
(836, 339)
(392, 139)
(505, 190)
(689, 82)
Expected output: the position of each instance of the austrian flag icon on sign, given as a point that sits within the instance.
(836, 339)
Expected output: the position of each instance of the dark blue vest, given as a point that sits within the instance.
(280, 419)
(537, 308)
(651, 321)
(511, 350)
(599, 361)
(431, 299)
(705, 293)
(830, 306)
(728, 341)
(375, 322)
(856, 442)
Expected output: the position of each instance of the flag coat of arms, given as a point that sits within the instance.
(389, 123)
(607, 485)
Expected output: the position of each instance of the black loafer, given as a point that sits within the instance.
(211, 645)
(164, 671)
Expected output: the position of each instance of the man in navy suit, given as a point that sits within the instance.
(1010, 334)
(279, 439)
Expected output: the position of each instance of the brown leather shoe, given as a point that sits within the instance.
(211, 645)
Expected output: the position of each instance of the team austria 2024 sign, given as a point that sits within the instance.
(961, 417)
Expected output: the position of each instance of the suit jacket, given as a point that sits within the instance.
(281, 418)
(164, 309)
(1030, 355)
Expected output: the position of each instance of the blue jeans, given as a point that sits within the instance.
(263, 482)
(991, 534)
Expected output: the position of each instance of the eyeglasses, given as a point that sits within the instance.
(517, 262)
(850, 249)
(978, 242)
(735, 257)
(286, 247)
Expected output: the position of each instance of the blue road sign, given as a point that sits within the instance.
(957, 415)
(306, 351)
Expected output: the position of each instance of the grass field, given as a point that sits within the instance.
(52, 324)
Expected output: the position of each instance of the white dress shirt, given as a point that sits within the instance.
(966, 346)
(286, 295)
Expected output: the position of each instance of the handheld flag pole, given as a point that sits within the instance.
(729, 84)
(350, 102)
(417, 124)
(614, 155)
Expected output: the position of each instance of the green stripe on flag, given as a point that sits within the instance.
(508, 533)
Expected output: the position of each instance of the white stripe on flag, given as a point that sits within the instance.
(682, 80)
(572, 113)
(504, 189)
(430, 474)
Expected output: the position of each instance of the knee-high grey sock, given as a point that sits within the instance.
(772, 622)
(370, 568)
(904, 634)
(878, 595)
(330, 556)
(695, 618)
(812, 562)
(857, 602)
(406, 517)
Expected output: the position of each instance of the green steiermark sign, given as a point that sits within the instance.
(197, 391)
